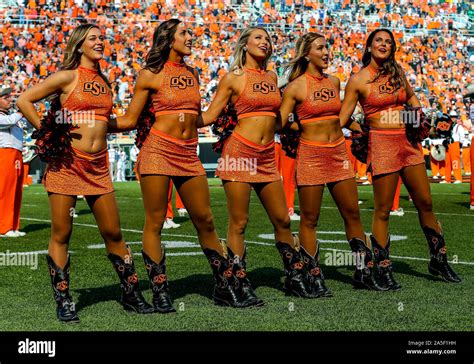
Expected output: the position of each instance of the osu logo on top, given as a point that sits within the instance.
(324, 94)
(263, 87)
(95, 88)
(182, 82)
(387, 88)
(443, 126)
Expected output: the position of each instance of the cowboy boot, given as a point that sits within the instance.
(294, 270)
(159, 284)
(438, 264)
(132, 299)
(363, 277)
(222, 267)
(315, 276)
(66, 309)
(384, 265)
(244, 289)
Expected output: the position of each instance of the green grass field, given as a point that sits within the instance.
(424, 303)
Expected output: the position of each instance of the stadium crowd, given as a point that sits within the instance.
(437, 57)
(33, 39)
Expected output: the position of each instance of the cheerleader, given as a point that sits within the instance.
(382, 90)
(165, 108)
(83, 99)
(248, 157)
(322, 159)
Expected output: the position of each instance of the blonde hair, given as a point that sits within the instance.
(240, 55)
(72, 56)
(299, 64)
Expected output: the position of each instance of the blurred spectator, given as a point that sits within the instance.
(11, 161)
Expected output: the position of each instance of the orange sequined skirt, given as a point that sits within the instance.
(246, 161)
(166, 155)
(87, 174)
(318, 163)
(390, 151)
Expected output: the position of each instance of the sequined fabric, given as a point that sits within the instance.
(390, 151)
(178, 91)
(88, 174)
(245, 161)
(318, 163)
(382, 96)
(91, 94)
(166, 155)
(259, 96)
(322, 99)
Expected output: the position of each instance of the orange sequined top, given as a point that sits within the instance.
(178, 91)
(91, 97)
(260, 96)
(382, 96)
(322, 100)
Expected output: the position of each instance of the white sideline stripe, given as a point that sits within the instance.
(392, 237)
(123, 229)
(177, 254)
(166, 243)
(405, 258)
(432, 193)
(257, 243)
(406, 211)
(323, 207)
(33, 252)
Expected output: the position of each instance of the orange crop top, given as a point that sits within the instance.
(260, 96)
(382, 96)
(178, 91)
(91, 97)
(322, 100)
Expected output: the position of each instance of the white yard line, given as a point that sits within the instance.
(248, 241)
(406, 211)
(404, 258)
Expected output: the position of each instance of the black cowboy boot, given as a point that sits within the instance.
(224, 293)
(244, 289)
(132, 299)
(159, 284)
(363, 275)
(315, 276)
(66, 309)
(438, 264)
(384, 265)
(294, 271)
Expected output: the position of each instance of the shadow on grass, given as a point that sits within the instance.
(83, 212)
(90, 296)
(35, 227)
(181, 219)
(344, 274)
(203, 284)
(273, 278)
(467, 205)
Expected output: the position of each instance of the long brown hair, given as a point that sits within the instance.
(155, 60)
(163, 38)
(390, 67)
(299, 64)
(72, 56)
